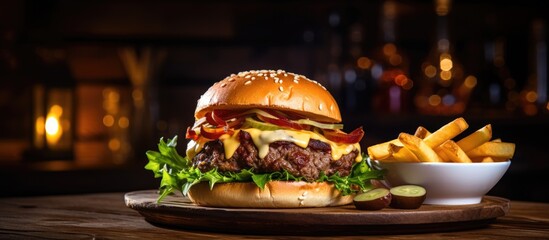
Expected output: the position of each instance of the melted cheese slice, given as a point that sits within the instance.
(262, 139)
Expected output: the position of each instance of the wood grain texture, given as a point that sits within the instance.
(178, 211)
(105, 216)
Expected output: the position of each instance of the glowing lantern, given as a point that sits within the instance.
(53, 111)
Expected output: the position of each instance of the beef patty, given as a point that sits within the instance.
(306, 162)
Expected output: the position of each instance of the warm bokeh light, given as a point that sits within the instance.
(364, 63)
(39, 126)
(531, 96)
(434, 100)
(401, 80)
(430, 71)
(123, 122)
(52, 126)
(108, 120)
(446, 64)
(408, 85)
(442, 7)
(56, 110)
(389, 49)
(470, 81)
(445, 75)
(114, 144)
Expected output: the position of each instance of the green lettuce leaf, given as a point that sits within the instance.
(178, 174)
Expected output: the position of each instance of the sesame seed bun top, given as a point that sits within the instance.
(272, 89)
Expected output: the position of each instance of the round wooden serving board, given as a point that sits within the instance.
(178, 212)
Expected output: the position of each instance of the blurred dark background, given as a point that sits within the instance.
(86, 87)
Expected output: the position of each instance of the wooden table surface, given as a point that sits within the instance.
(105, 216)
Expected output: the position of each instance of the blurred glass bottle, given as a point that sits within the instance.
(496, 88)
(390, 69)
(347, 79)
(534, 94)
(444, 88)
(357, 77)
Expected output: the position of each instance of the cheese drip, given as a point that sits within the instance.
(262, 139)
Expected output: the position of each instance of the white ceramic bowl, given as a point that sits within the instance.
(446, 183)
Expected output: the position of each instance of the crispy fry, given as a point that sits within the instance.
(476, 139)
(423, 152)
(402, 154)
(454, 152)
(501, 150)
(422, 132)
(446, 132)
(439, 146)
(381, 151)
(441, 154)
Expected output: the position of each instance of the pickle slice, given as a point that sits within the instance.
(250, 122)
(374, 199)
(408, 196)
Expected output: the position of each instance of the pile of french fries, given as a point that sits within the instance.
(439, 146)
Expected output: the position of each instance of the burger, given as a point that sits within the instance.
(265, 139)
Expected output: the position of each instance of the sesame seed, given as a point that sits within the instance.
(261, 74)
(248, 82)
(266, 78)
(285, 74)
(320, 107)
(224, 84)
(280, 88)
(295, 80)
(247, 76)
(253, 78)
(231, 79)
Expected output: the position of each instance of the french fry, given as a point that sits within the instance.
(482, 159)
(476, 139)
(423, 152)
(381, 151)
(446, 132)
(441, 154)
(439, 146)
(422, 132)
(499, 150)
(402, 154)
(452, 150)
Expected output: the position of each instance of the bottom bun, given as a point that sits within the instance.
(276, 194)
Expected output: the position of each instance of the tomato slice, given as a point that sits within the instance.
(342, 137)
